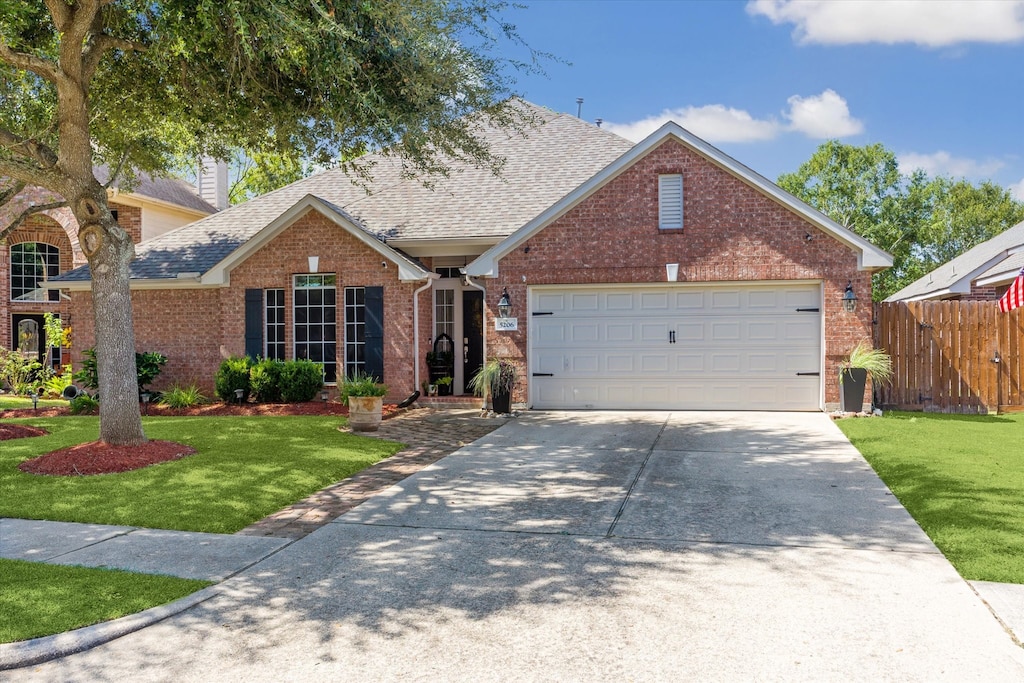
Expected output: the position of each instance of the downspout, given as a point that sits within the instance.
(483, 312)
(416, 330)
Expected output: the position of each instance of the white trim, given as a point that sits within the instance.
(869, 257)
(470, 247)
(961, 285)
(670, 201)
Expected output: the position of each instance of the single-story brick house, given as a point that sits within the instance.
(982, 273)
(663, 274)
(46, 245)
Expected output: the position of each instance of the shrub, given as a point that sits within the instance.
(179, 396)
(20, 373)
(300, 380)
(265, 380)
(361, 385)
(148, 366)
(84, 404)
(54, 386)
(233, 374)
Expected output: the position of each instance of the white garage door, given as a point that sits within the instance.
(723, 347)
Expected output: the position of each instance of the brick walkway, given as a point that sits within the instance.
(430, 434)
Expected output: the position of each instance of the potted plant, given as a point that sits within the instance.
(444, 386)
(495, 380)
(365, 401)
(863, 362)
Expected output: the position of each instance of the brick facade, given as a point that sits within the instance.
(197, 328)
(732, 232)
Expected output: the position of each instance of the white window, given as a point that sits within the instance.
(31, 264)
(274, 332)
(315, 322)
(670, 201)
(355, 331)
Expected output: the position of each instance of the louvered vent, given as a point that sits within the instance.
(670, 201)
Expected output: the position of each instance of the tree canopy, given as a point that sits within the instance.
(922, 221)
(138, 85)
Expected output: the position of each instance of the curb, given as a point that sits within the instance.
(40, 650)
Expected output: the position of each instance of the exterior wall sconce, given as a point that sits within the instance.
(504, 304)
(671, 272)
(314, 263)
(849, 298)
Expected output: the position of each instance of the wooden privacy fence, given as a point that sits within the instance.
(951, 356)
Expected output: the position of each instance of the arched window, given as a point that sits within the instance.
(32, 263)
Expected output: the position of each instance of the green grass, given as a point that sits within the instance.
(40, 599)
(962, 479)
(12, 402)
(245, 469)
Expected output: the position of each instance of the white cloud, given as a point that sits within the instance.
(822, 116)
(713, 122)
(1017, 190)
(923, 22)
(817, 116)
(944, 163)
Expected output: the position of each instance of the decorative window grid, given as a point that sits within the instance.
(31, 264)
(315, 322)
(355, 331)
(274, 344)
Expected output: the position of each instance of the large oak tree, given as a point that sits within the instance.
(138, 85)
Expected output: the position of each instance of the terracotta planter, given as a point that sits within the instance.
(364, 413)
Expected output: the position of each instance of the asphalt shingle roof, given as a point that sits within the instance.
(170, 190)
(952, 272)
(541, 166)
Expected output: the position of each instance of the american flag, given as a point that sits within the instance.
(1014, 296)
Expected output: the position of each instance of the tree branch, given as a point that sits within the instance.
(99, 45)
(11, 192)
(61, 13)
(19, 60)
(29, 149)
(23, 216)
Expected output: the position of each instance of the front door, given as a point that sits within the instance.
(472, 334)
(29, 337)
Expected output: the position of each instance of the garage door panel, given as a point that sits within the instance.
(736, 347)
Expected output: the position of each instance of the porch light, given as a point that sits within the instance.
(504, 304)
(849, 298)
(671, 272)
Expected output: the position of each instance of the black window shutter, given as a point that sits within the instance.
(254, 322)
(374, 301)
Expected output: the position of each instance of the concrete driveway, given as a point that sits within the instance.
(597, 546)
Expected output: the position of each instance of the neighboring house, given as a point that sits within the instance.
(658, 275)
(46, 245)
(983, 273)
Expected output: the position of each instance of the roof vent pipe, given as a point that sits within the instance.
(579, 107)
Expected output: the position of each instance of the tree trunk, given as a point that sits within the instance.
(110, 250)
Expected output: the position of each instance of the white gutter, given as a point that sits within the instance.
(416, 330)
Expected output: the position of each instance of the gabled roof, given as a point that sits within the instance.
(869, 256)
(542, 164)
(211, 264)
(993, 262)
(167, 190)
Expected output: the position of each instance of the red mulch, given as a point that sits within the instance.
(98, 457)
(8, 431)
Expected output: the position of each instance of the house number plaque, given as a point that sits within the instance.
(506, 324)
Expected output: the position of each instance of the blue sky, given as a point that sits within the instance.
(767, 81)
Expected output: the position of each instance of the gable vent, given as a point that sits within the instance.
(670, 201)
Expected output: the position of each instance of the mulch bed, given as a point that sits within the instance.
(8, 431)
(98, 457)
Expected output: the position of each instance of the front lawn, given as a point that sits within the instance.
(42, 599)
(245, 469)
(12, 402)
(962, 479)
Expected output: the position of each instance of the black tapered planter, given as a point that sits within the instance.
(851, 390)
(502, 403)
